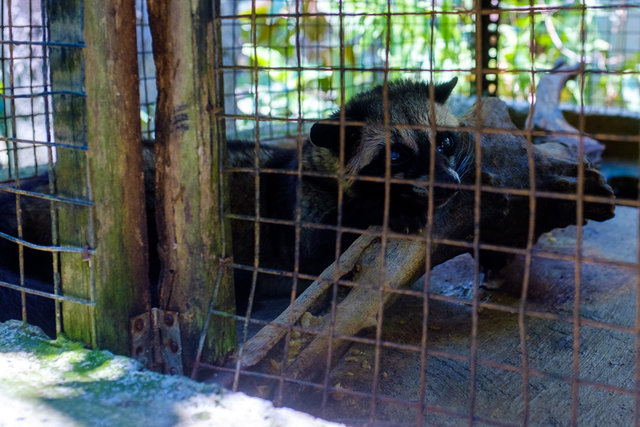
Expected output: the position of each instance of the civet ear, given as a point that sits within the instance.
(327, 134)
(443, 90)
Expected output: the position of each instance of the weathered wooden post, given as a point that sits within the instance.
(115, 275)
(194, 237)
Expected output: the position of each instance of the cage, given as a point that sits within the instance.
(27, 159)
(383, 212)
(50, 222)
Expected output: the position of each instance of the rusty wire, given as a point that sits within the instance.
(36, 89)
(529, 252)
(522, 9)
(474, 359)
(298, 214)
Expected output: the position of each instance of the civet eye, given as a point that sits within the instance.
(395, 156)
(445, 143)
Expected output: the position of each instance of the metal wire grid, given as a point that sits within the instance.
(232, 65)
(610, 82)
(29, 150)
(9, 60)
(25, 110)
(147, 70)
(369, 68)
(27, 136)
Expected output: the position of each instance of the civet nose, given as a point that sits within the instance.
(440, 194)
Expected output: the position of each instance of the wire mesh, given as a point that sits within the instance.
(287, 65)
(146, 69)
(562, 331)
(29, 283)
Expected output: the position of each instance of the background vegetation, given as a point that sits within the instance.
(430, 41)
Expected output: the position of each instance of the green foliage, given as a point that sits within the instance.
(319, 52)
(535, 42)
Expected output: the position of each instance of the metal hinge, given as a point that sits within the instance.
(155, 341)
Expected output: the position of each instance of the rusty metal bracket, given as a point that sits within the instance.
(141, 335)
(155, 341)
(166, 322)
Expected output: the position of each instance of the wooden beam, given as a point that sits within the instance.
(190, 146)
(109, 173)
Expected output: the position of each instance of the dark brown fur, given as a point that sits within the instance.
(366, 137)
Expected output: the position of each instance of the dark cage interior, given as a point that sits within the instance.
(386, 212)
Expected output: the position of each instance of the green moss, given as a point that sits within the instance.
(62, 383)
(54, 347)
(92, 360)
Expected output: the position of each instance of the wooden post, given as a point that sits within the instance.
(116, 276)
(190, 144)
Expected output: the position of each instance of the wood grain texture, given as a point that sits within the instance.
(193, 236)
(109, 173)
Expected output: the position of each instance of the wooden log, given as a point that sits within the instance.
(399, 266)
(190, 146)
(546, 114)
(260, 344)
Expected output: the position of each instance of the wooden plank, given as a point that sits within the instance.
(65, 22)
(116, 226)
(190, 144)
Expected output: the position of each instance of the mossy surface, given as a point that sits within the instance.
(62, 383)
